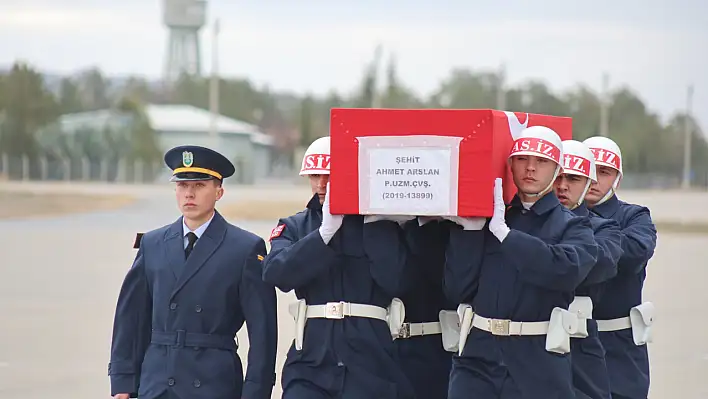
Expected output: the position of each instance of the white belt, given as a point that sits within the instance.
(508, 327)
(419, 329)
(340, 310)
(622, 323)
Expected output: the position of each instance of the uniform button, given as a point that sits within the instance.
(197, 383)
(173, 306)
(196, 348)
(171, 381)
(340, 364)
(198, 309)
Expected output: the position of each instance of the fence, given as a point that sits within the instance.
(23, 167)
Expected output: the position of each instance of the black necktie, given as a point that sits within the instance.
(191, 239)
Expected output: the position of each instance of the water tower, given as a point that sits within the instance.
(184, 19)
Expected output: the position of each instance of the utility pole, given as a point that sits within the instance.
(501, 92)
(605, 106)
(214, 86)
(376, 97)
(687, 131)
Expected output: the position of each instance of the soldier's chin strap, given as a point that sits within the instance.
(549, 187)
(611, 192)
(582, 196)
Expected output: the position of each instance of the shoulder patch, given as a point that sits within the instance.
(276, 232)
(138, 238)
(260, 257)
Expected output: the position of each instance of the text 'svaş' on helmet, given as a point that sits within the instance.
(316, 158)
(539, 141)
(578, 160)
(606, 152)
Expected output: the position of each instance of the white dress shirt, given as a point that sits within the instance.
(199, 231)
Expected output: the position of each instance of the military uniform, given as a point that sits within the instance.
(422, 357)
(590, 376)
(349, 357)
(176, 318)
(627, 363)
(547, 253)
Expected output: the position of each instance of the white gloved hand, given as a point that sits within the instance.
(498, 225)
(330, 223)
(468, 223)
(400, 219)
(426, 219)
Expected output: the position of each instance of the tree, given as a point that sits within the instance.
(27, 106)
(144, 142)
(69, 97)
(307, 134)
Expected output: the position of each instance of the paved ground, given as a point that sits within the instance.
(59, 279)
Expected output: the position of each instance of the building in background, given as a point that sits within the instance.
(244, 144)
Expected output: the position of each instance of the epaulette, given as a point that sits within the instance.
(138, 238)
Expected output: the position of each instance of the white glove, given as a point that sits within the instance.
(400, 219)
(498, 225)
(468, 223)
(426, 219)
(330, 223)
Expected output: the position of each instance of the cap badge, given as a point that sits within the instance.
(187, 159)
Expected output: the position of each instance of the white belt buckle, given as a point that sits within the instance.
(499, 327)
(405, 331)
(334, 310)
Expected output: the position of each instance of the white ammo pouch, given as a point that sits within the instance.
(300, 311)
(557, 330)
(640, 320)
(582, 307)
(450, 329)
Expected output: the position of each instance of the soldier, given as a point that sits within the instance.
(588, 356)
(191, 286)
(514, 283)
(346, 272)
(420, 348)
(623, 320)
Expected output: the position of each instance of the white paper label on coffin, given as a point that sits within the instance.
(408, 175)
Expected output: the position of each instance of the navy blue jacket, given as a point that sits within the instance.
(590, 376)
(424, 360)
(546, 255)
(627, 364)
(363, 263)
(175, 331)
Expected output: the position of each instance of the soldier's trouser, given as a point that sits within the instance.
(590, 377)
(352, 389)
(168, 395)
(491, 380)
(303, 389)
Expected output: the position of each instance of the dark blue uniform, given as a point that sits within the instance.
(173, 334)
(627, 363)
(547, 254)
(588, 356)
(423, 358)
(354, 357)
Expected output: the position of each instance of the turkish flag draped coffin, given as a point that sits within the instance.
(424, 162)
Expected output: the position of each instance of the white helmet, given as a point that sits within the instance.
(316, 158)
(579, 160)
(607, 153)
(539, 141)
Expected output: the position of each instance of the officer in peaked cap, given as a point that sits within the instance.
(194, 163)
(192, 285)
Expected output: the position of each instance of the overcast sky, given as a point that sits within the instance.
(657, 47)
